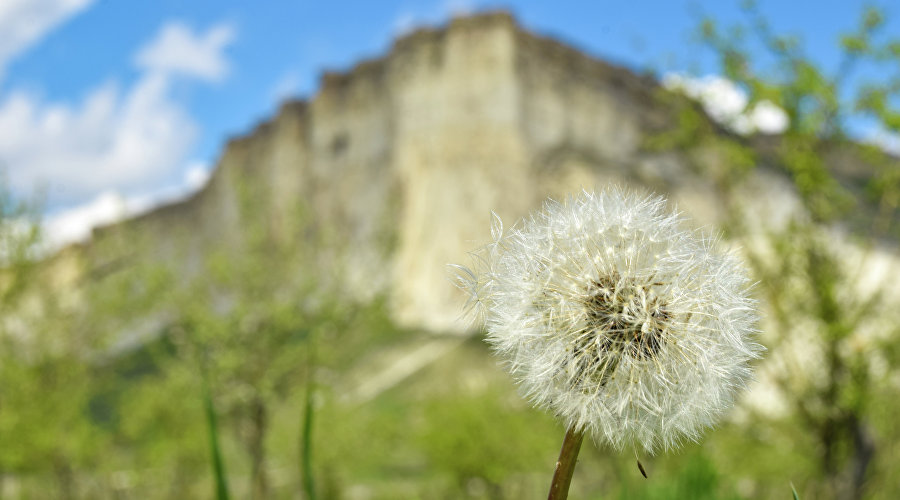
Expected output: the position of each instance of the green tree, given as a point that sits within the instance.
(45, 371)
(808, 273)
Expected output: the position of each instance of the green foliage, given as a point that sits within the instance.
(486, 436)
(163, 430)
(49, 424)
(819, 104)
(827, 363)
(697, 479)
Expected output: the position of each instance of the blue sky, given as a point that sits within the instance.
(106, 104)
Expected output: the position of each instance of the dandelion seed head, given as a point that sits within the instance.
(614, 317)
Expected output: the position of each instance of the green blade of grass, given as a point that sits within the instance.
(309, 487)
(217, 462)
(796, 496)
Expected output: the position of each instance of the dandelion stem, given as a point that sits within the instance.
(565, 465)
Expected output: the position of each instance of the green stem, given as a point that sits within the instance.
(565, 465)
(215, 450)
(309, 487)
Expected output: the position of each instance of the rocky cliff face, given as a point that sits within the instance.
(391, 171)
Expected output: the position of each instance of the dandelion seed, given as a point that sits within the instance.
(615, 318)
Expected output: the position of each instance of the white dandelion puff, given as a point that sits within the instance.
(615, 318)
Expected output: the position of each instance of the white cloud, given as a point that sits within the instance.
(726, 103)
(722, 98)
(178, 50)
(405, 23)
(113, 139)
(287, 86)
(196, 176)
(24, 22)
(408, 21)
(886, 140)
(768, 118)
(116, 140)
(458, 7)
(75, 224)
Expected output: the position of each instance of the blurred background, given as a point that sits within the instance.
(225, 230)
